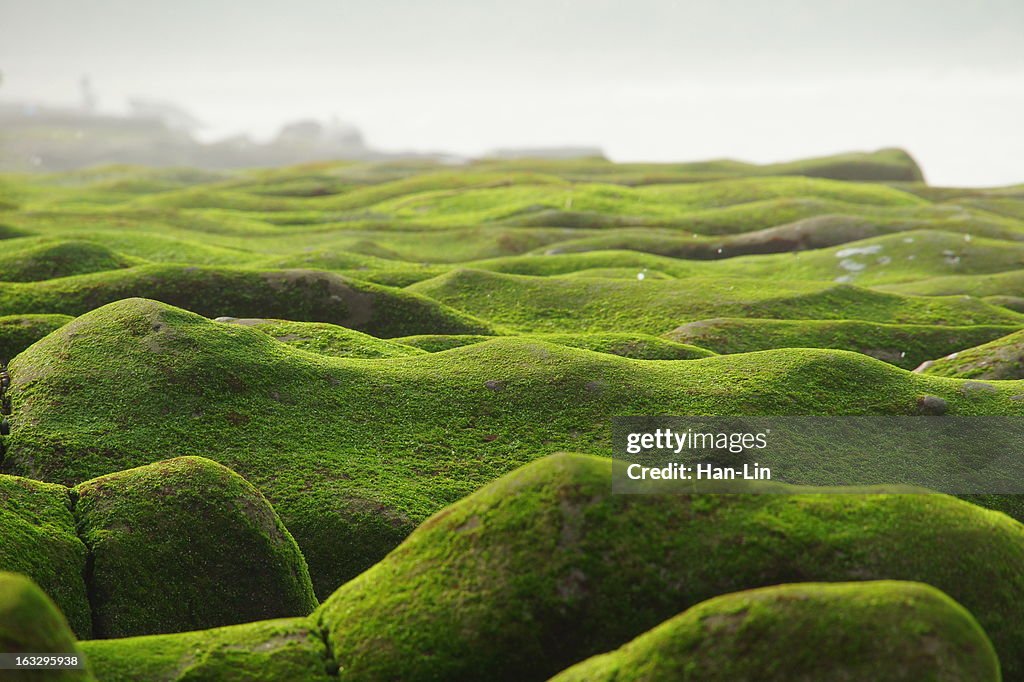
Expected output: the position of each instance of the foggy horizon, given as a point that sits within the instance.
(647, 81)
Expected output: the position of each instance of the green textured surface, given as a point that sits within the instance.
(546, 567)
(300, 426)
(38, 539)
(884, 631)
(186, 544)
(284, 650)
(409, 332)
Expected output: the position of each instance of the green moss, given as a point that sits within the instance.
(881, 165)
(6, 231)
(1015, 303)
(346, 260)
(184, 544)
(560, 304)
(546, 567)
(18, 332)
(326, 339)
(357, 440)
(271, 651)
(1002, 358)
(353, 453)
(903, 345)
(600, 205)
(889, 258)
(1001, 284)
(819, 231)
(888, 164)
(301, 295)
(435, 343)
(58, 259)
(638, 346)
(884, 631)
(39, 541)
(31, 623)
(335, 216)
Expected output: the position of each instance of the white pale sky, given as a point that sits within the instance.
(644, 79)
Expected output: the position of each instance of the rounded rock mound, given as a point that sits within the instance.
(186, 544)
(886, 631)
(546, 567)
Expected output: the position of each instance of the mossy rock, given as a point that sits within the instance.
(38, 539)
(887, 258)
(809, 233)
(1002, 358)
(282, 650)
(299, 426)
(18, 332)
(546, 567)
(435, 343)
(563, 304)
(885, 165)
(58, 259)
(300, 295)
(885, 631)
(1015, 303)
(903, 345)
(30, 623)
(637, 346)
(186, 544)
(325, 339)
(605, 206)
(1006, 287)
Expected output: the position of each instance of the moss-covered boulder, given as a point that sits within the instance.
(884, 631)
(903, 345)
(37, 539)
(546, 567)
(48, 260)
(1004, 286)
(638, 346)
(531, 304)
(1002, 358)
(301, 295)
(186, 544)
(435, 343)
(325, 339)
(889, 164)
(283, 650)
(30, 623)
(306, 429)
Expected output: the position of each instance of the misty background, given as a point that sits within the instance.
(641, 80)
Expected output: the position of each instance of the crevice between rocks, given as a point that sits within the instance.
(88, 569)
(331, 664)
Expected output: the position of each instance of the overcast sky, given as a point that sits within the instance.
(644, 79)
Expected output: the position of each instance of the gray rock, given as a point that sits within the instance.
(931, 405)
(976, 387)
